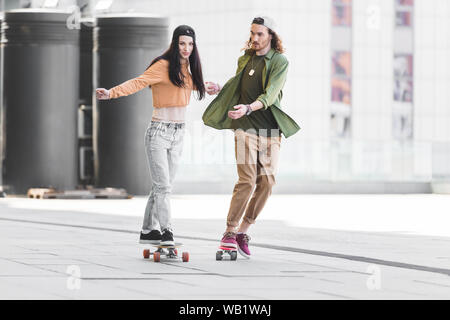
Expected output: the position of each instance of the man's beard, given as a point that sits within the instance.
(260, 47)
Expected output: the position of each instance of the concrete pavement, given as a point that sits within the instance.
(87, 249)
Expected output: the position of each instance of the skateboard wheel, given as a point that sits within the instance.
(233, 255)
(146, 254)
(185, 256)
(156, 257)
(219, 255)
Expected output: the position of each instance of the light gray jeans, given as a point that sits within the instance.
(164, 145)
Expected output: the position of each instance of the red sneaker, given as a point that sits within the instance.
(242, 240)
(229, 240)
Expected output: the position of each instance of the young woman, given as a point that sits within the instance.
(172, 77)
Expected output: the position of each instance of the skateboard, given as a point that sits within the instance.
(231, 252)
(166, 251)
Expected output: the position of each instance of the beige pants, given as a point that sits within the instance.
(257, 159)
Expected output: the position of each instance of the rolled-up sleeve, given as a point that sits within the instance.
(151, 76)
(277, 78)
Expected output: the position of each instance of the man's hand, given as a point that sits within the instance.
(102, 94)
(240, 110)
(212, 88)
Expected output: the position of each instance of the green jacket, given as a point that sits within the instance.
(276, 66)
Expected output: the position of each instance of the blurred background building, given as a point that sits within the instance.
(369, 84)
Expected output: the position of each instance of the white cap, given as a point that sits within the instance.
(265, 21)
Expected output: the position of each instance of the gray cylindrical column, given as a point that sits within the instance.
(124, 46)
(86, 46)
(86, 159)
(41, 70)
(2, 127)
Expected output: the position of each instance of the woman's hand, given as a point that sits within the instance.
(102, 94)
(212, 88)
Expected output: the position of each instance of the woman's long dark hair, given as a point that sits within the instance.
(175, 75)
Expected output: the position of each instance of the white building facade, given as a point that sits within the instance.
(369, 85)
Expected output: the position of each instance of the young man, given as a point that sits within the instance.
(249, 103)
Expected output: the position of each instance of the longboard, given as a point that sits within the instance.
(231, 252)
(166, 251)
